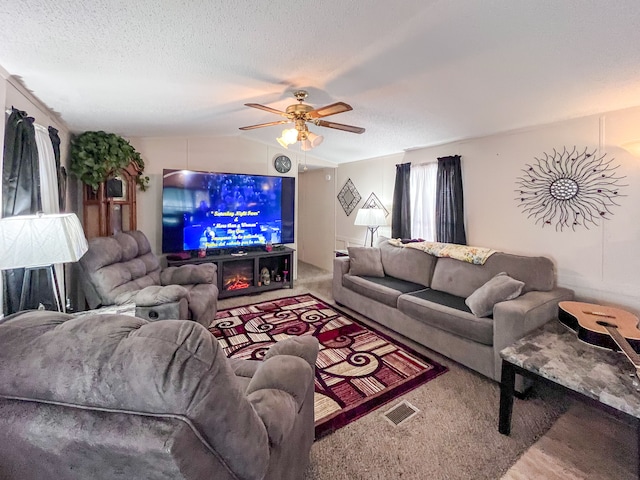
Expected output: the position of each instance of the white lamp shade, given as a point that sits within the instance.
(40, 240)
(314, 139)
(370, 217)
(282, 142)
(290, 136)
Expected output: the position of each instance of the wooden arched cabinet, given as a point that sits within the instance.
(112, 207)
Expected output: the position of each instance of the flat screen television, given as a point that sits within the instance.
(214, 210)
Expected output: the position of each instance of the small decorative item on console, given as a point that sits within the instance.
(265, 276)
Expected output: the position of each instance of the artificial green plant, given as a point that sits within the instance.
(98, 156)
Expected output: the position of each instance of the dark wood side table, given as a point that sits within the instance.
(554, 355)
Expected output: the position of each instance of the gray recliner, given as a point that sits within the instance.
(123, 269)
(115, 396)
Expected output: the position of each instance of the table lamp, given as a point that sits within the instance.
(372, 218)
(40, 241)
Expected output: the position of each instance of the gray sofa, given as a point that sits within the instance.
(422, 297)
(122, 269)
(115, 396)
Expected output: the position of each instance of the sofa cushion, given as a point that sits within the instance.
(444, 298)
(456, 319)
(462, 278)
(365, 261)
(499, 289)
(383, 289)
(407, 263)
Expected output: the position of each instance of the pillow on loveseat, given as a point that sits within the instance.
(365, 261)
(499, 289)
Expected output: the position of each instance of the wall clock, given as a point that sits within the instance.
(282, 163)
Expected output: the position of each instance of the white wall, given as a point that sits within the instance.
(601, 264)
(316, 221)
(375, 175)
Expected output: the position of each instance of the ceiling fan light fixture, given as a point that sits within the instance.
(314, 139)
(290, 136)
(300, 114)
(282, 142)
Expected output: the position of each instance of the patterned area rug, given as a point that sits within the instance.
(358, 368)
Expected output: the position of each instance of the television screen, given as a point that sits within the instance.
(225, 210)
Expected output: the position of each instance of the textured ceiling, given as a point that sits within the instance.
(417, 72)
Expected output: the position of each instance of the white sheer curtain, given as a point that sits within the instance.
(49, 188)
(48, 175)
(423, 201)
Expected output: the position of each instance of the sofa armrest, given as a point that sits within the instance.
(341, 266)
(305, 347)
(153, 295)
(277, 393)
(192, 274)
(167, 311)
(515, 318)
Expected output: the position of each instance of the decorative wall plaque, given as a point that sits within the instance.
(374, 202)
(349, 197)
(569, 188)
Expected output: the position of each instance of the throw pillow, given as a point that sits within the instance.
(499, 289)
(365, 261)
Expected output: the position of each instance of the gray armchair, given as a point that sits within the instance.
(123, 269)
(85, 398)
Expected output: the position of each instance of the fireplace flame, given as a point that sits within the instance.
(237, 283)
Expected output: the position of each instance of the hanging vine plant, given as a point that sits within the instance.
(98, 156)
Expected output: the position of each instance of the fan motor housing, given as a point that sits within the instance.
(299, 110)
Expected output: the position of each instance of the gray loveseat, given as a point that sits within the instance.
(422, 297)
(115, 396)
(122, 269)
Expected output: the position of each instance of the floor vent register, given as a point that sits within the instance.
(400, 413)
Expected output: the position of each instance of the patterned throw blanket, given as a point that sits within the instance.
(465, 253)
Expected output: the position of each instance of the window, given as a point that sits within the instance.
(423, 200)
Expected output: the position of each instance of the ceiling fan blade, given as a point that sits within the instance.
(251, 127)
(339, 126)
(268, 109)
(327, 110)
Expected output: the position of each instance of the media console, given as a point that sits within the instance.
(246, 273)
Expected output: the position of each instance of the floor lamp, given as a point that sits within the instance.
(372, 218)
(41, 241)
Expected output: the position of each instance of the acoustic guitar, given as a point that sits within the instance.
(605, 327)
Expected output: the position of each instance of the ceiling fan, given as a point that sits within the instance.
(300, 114)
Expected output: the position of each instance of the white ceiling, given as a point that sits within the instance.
(417, 72)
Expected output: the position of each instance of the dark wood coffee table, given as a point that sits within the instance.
(554, 355)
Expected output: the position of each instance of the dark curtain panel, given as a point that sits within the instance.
(60, 171)
(20, 171)
(401, 210)
(450, 202)
(20, 189)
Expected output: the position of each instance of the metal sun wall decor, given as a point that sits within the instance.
(374, 202)
(349, 197)
(569, 188)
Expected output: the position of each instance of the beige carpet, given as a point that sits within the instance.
(455, 435)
